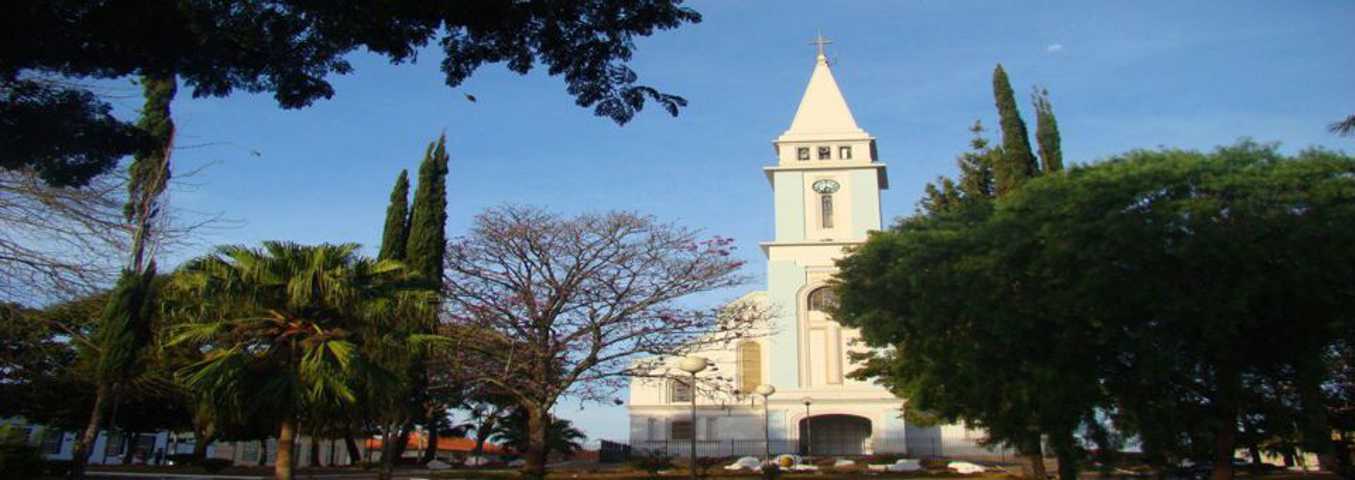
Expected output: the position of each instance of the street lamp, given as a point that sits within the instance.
(809, 430)
(693, 364)
(766, 390)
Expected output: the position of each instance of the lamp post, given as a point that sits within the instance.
(766, 390)
(693, 364)
(809, 430)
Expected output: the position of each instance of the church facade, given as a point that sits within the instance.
(826, 186)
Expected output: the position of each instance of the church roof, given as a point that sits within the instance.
(823, 112)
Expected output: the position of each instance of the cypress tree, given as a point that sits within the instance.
(424, 250)
(427, 241)
(1047, 132)
(393, 236)
(1017, 162)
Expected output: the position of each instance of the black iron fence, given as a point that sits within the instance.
(915, 448)
(717, 448)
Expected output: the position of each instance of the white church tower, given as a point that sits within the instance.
(826, 187)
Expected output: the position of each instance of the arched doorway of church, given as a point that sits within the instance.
(834, 435)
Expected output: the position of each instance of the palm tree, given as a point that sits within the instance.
(281, 327)
(561, 436)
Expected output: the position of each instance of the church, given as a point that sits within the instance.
(826, 187)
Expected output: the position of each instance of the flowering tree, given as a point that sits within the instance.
(542, 306)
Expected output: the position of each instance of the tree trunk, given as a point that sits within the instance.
(1065, 448)
(391, 451)
(1316, 431)
(430, 450)
(354, 455)
(1036, 466)
(482, 434)
(403, 443)
(315, 451)
(129, 442)
(283, 463)
(200, 442)
(538, 422)
(1229, 383)
(1255, 453)
(86, 440)
(263, 452)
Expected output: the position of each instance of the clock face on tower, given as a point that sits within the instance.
(825, 186)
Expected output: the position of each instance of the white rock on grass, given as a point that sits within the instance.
(842, 462)
(517, 463)
(438, 465)
(476, 461)
(745, 463)
(905, 465)
(965, 467)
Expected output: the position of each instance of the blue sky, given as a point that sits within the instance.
(1121, 75)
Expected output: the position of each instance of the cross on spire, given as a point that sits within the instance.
(820, 42)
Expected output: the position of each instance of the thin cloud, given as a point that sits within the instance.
(1054, 48)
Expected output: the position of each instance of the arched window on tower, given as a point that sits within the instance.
(826, 210)
(822, 299)
(750, 366)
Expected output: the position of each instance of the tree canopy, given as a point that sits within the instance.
(1195, 276)
(290, 49)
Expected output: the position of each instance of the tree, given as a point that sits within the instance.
(541, 307)
(1171, 287)
(976, 183)
(1047, 132)
(290, 48)
(397, 221)
(1017, 163)
(65, 135)
(425, 249)
(125, 328)
(282, 326)
(561, 436)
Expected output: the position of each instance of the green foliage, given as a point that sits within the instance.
(288, 330)
(561, 436)
(427, 242)
(1174, 292)
(975, 185)
(1017, 163)
(652, 463)
(149, 173)
(1047, 132)
(290, 49)
(125, 326)
(396, 231)
(704, 465)
(66, 134)
(18, 459)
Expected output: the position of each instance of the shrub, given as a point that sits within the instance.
(180, 458)
(20, 461)
(770, 471)
(57, 468)
(704, 464)
(652, 463)
(213, 465)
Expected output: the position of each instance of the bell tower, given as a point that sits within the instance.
(826, 187)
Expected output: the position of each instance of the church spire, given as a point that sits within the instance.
(823, 111)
